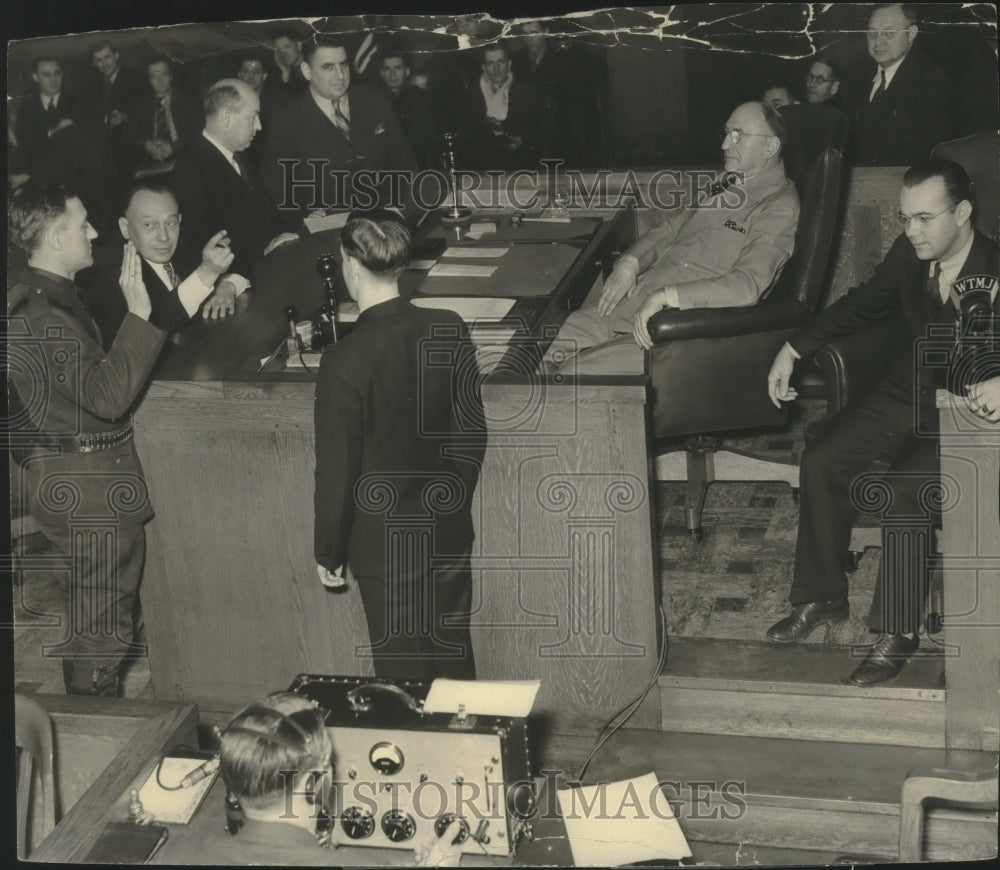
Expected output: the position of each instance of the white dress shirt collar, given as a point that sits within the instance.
(890, 72)
(223, 150)
(326, 106)
(951, 267)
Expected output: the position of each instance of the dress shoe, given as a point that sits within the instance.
(805, 617)
(885, 659)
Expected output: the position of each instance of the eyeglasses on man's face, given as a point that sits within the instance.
(818, 80)
(921, 220)
(884, 35)
(736, 134)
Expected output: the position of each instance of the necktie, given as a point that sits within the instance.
(163, 123)
(340, 119)
(934, 283)
(50, 109)
(171, 274)
(880, 90)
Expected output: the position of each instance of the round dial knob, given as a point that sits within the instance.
(358, 823)
(441, 825)
(398, 826)
(386, 758)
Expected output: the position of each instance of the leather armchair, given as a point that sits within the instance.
(709, 366)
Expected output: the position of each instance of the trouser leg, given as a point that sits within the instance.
(878, 427)
(912, 493)
(418, 627)
(105, 570)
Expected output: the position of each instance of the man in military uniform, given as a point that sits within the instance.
(83, 482)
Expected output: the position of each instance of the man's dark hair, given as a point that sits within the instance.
(826, 60)
(494, 46)
(379, 240)
(222, 95)
(909, 10)
(773, 119)
(957, 183)
(288, 32)
(148, 185)
(785, 86)
(100, 45)
(32, 210)
(161, 58)
(394, 49)
(320, 40)
(46, 59)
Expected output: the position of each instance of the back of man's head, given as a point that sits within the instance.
(269, 744)
(379, 240)
(776, 123)
(32, 210)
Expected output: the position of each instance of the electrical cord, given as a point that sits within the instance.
(629, 709)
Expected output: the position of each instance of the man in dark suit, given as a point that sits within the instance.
(164, 121)
(218, 189)
(119, 90)
(286, 43)
(252, 71)
(922, 275)
(505, 123)
(414, 106)
(399, 441)
(343, 129)
(900, 108)
(176, 281)
(83, 480)
(56, 140)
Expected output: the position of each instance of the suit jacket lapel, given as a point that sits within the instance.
(328, 131)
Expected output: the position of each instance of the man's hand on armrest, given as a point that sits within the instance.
(665, 297)
(984, 399)
(780, 376)
(620, 283)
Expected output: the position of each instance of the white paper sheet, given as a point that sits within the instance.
(470, 308)
(175, 807)
(474, 253)
(461, 270)
(617, 823)
(482, 697)
(326, 222)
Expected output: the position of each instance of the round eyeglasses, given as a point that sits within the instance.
(818, 80)
(921, 220)
(736, 134)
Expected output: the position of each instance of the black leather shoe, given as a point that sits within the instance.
(885, 659)
(805, 617)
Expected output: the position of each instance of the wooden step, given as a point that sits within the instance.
(786, 794)
(753, 688)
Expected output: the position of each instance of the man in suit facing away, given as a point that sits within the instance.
(400, 438)
(319, 143)
(176, 282)
(922, 275)
(219, 190)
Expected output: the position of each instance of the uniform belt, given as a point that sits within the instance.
(91, 443)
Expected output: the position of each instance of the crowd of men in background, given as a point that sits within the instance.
(511, 108)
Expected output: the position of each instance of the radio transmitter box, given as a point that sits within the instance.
(400, 772)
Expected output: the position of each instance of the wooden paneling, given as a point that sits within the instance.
(970, 470)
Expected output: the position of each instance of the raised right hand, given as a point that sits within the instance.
(620, 283)
(779, 377)
(133, 287)
(217, 255)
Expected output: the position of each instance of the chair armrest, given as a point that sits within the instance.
(672, 324)
(855, 362)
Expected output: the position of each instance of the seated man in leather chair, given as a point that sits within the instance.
(922, 276)
(709, 255)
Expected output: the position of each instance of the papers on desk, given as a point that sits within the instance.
(617, 823)
(318, 223)
(476, 253)
(175, 807)
(470, 308)
(482, 697)
(461, 270)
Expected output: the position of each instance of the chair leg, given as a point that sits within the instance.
(697, 487)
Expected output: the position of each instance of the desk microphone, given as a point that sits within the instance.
(200, 773)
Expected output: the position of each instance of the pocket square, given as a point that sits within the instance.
(380, 129)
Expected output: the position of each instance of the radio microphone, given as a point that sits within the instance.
(200, 773)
